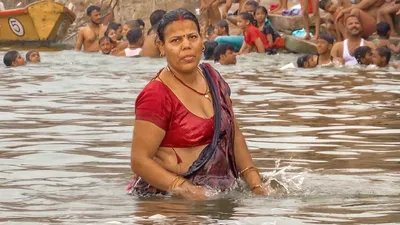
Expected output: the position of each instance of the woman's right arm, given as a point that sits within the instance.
(146, 140)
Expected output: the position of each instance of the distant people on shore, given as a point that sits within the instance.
(13, 58)
(89, 35)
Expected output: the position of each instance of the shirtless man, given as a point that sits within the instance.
(367, 11)
(90, 34)
(345, 49)
(149, 47)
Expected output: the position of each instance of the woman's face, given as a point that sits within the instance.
(113, 35)
(182, 45)
(34, 57)
(241, 23)
(260, 16)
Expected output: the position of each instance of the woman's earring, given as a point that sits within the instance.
(204, 48)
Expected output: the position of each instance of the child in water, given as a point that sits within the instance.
(265, 26)
(13, 58)
(381, 57)
(33, 56)
(135, 39)
(253, 37)
(364, 55)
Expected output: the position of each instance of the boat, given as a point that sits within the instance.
(42, 23)
(299, 45)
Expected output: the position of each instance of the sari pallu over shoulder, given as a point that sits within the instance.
(215, 166)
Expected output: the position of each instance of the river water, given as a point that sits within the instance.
(332, 135)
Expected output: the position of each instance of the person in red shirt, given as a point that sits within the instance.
(253, 37)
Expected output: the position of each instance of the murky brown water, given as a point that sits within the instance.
(66, 127)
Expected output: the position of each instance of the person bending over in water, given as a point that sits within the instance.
(105, 45)
(364, 55)
(324, 47)
(135, 38)
(89, 35)
(307, 61)
(13, 58)
(225, 54)
(150, 48)
(381, 57)
(186, 140)
(344, 49)
(32, 56)
(253, 37)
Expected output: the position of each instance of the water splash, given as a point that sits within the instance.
(282, 182)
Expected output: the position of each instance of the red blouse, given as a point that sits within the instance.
(252, 33)
(159, 105)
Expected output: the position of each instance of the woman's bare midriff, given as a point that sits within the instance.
(167, 158)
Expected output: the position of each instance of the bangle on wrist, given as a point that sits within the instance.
(178, 181)
(247, 170)
(256, 186)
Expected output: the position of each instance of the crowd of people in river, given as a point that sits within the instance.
(186, 140)
(349, 24)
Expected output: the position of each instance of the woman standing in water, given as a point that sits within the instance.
(186, 138)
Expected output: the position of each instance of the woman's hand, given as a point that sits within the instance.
(260, 191)
(190, 191)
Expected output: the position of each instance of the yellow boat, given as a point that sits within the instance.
(41, 23)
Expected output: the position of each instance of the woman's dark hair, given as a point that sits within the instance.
(28, 54)
(141, 23)
(260, 7)
(384, 52)
(10, 57)
(175, 15)
(248, 17)
(209, 47)
(361, 52)
(221, 50)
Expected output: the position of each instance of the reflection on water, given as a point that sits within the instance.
(66, 127)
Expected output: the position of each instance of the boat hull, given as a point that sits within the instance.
(41, 22)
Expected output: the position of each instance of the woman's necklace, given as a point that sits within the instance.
(205, 94)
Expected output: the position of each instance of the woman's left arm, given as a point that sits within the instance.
(244, 164)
